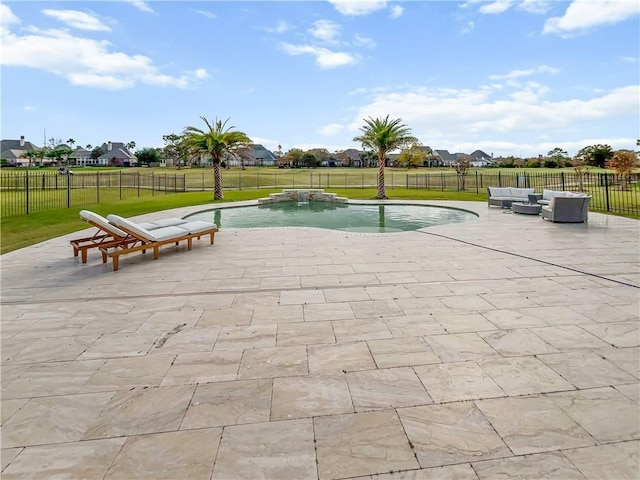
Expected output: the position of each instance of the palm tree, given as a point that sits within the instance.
(216, 141)
(383, 136)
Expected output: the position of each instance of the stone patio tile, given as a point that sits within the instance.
(305, 334)
(70, 460)
(120, 345)
(266, 314)
(142, 410)
(620, 335)
(508, 319)
(586, 369)
(203, 367)
(267, 450)
(631, 391)
(605, 413)
(346, 294)
(229, 403)
(461, 471)
(47, 379)
(396, 277)
(296, 397)
(191, 455)
(460, 347)
(604, 313)
(334, 269)
(301, 297)
(339, 358)
(533, 424)
(208, 301)
(307, 270)
(361, 444)
(452, 433)
(7, 455)
(126, 373)
(413, 326)
(467, 303)
(110, 324)
(225, 316)
(186, 339)
(328, 311)
(10, 407)
(425, 290)
(548, 466)
(360, 330)
(246, 336)
(556, 315)
(58, 419)
(9, 373)
(257, 299)
(615, 461)
(319, 281)
(463, 322)
(516, 343)
(628, 359)
(167, 321)
(44, 350)
(431, 275)
(508, 300)
(387, 292)
(51, 327)
(524, 375)
(568, 337)
(273, 362)
(451, 382)
(269, 283)
(401, 352)
(375, 308)
(389, 387)
(420, 306)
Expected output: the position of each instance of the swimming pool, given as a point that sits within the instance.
(350, 217)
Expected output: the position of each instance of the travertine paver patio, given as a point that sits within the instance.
(505, 347)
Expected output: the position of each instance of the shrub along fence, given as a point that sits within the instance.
(24, 192)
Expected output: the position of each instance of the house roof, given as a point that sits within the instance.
(445, 155)
(479, 154)
(15, 145)
(259, 151)
(12, 154)
(351, 153)
(118, 150)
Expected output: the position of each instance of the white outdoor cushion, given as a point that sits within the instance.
(167, 233)
(500, 191)
(168, 222)
(197, 226)
(103, 222)
(157, 235)
(521, 192)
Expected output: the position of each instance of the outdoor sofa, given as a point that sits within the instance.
(503, 197)
(573, 209)
(547, 195)
(153, 239)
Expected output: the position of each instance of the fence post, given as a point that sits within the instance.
(442, 181)
(499, 179)
(97, 187)
(275, 180)
(165, 183)
(240, 180)
(477, 191)
(606, 190)
(153, 185)
(562, 178)
(69, 176)
(120, 181)
(138, 183)
(43, 182)
(26, 184)
(257, 180)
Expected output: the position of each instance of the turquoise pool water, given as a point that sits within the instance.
(347, 217)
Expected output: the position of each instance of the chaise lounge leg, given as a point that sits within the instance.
(116, 260)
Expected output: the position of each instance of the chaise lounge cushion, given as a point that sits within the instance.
(155, 235)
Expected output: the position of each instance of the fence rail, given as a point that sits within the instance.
(24, 192)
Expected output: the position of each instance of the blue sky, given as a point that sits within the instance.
(509, 77)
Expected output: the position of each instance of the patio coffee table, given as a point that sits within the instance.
(526, 208)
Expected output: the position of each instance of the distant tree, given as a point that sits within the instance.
(30, 155)
(581, 169)
(147, 156)
(384, 135)
(278, 152)
(412, 156)
(96, 153)
(623, 162)
(595, 155)
(461, 167)
(217, 141)
(175, 149)
(310, 160)
(89, 146)
(293, 158)
(556, 158)
(131, 145)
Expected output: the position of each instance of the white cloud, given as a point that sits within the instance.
(331, 129)
(140, 5)
(282, 27)
(358, 7)
(525, 73)
(361, 41)
(325, 30)
(28, 108)
(85, 61)
(7, 17)
(629, 59)
(454, 117)
(77, 19)
(582, 15)
(205, 13)
(535, 6)
(468, 27)
(396, 11)
(499, 6)
(325, 58)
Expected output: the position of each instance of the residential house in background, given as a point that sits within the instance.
(480, 159)
(256, 155)
(116, 154)
(349, 158)
(12, 151)
(445, 158)
(81, 157)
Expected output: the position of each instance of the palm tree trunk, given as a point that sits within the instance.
(382, 192)
(217, 182)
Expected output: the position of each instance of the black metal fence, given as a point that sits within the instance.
(24, 192)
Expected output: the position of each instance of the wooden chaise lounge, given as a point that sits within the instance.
(154, 239)
(106, 236)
